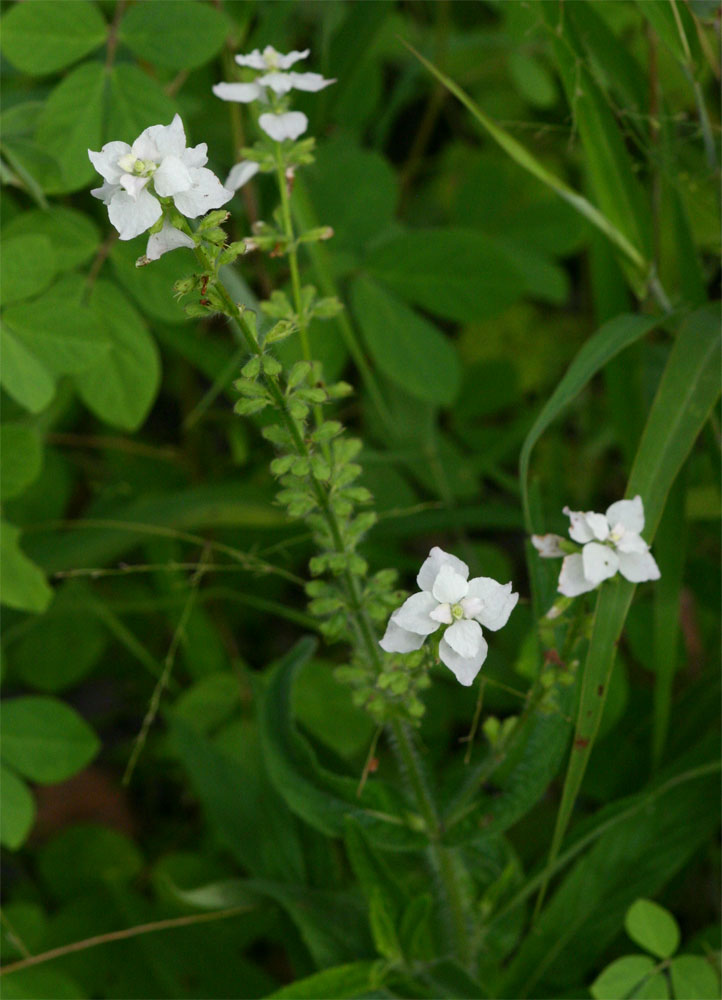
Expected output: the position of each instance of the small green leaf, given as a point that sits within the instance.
(81, 856)
(22, 584)
(22, 458)
(620, 978)
(694, 976)
(17, 809)
(28, 984)
(344, 982)
(22, 376)
(27, 266)
(174, 33)
(44, 36)
(408, 349)
(45, 739)
(382, 927)
(648, 924)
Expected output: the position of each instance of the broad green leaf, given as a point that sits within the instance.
(521, 155)
(454, 273)
(332, 924)
(121, 387)
(23, 377)
(605, 344)
(62, 334)
(407, 348)
(22, 458)
(151, 287)
(344, 982)
(323, 707)
(686, 393)
(45, 739)
(71, 123)
(652, 927)
(73, 236)
(17, 809)
(342, 166)
(29, 984)
(81, 856)
(622, 978)
(694, 976)
(174, 33)
(135, 102)
(45, 35)
(27, 266)
(320, 797)
(22, 584)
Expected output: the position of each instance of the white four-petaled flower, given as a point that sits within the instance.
(279, 123)
(611, 543)
(448, 597)
(157, 165)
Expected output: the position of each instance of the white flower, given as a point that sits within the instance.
(269, 59)
(288, 125)
(611, 543)
(448, 597)
(157, 165)
(168, 238)
(272, 66)
(240, 174)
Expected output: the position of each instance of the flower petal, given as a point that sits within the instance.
(106, 193)
(598, 525)
(442, 614)
(280, 83)
(132, 216)
(240, 174)
(638, 566)
(196, 156)
(547, 546)
(464, 668)
(106, 161)
(433, 563)
(254, 60)
(133, 184)
(449, 586)
(572, 580)
(579, 530)
(289, 125)
(206, 193)
(169, 238)
(498, 601)
(628, 513)
(464, 637)
(243, 93)
(171, 177)
(630, 542)
(287, 60)
(599, 561)
(159, 141)
(414, 614)
(309, 81)
(400, 640)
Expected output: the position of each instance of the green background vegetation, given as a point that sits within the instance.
(139, 528)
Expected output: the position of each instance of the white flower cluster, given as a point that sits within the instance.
(448, 597)
(612, 543)
(157, 165)
(270, 87)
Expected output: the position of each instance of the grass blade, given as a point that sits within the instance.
(686, 394)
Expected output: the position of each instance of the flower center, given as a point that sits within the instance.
(140, 168)
(616, 533)
(457, 612)
(270, 57)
